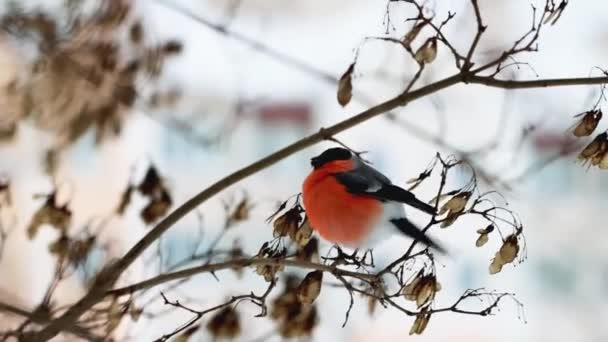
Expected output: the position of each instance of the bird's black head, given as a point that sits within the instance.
(332, 154)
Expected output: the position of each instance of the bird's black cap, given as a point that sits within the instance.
(329, 155)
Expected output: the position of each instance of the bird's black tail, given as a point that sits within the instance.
(408, 228)
(395, 193)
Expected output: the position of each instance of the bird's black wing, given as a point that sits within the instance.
(365, 180)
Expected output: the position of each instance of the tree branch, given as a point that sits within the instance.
(111, 274)
(40, 319)
(237, 263)
(540, 83)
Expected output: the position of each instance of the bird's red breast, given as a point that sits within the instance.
(338, 215)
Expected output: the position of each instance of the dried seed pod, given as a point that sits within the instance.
(269, 271)
(409, 291)
(506, 254)
(588, 123)
(125, 199)
(456, 204)
(240, 212)
(454, 207)
(345, 86)
(152, 184)
(5, 192)
(426, 289)
(135, 313)
(51, 214)
(185, 336)
(136, 32)
(225, 323)
(421, 289)
(114, 314)
(287, 224)
(604, 162)
(172, 47)
(309, 252)
(310, 287)
(156, 209)
(303, 234)
(595, 151)
(80, 249)
(413, 33)
(482, 240)
(509, 250)
(496, 265)
(61, 247)
(427, 52)
(422, 319)
(284, 304)
(486, 230)
(484, 235)
(299, 324)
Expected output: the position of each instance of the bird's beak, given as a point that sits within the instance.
(314, 162)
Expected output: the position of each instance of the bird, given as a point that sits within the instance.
(350, 203)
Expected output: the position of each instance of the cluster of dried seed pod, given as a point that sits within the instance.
(269, 270)
(454, 207)
(153, 187)
(288, 225)
(86, 73)
(422, 289)
(74, 250)
(506, 254)
(295, 319)
(50, 213)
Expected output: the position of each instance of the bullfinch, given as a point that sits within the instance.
(350, 203)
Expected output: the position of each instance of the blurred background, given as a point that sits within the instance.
(253, 76)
